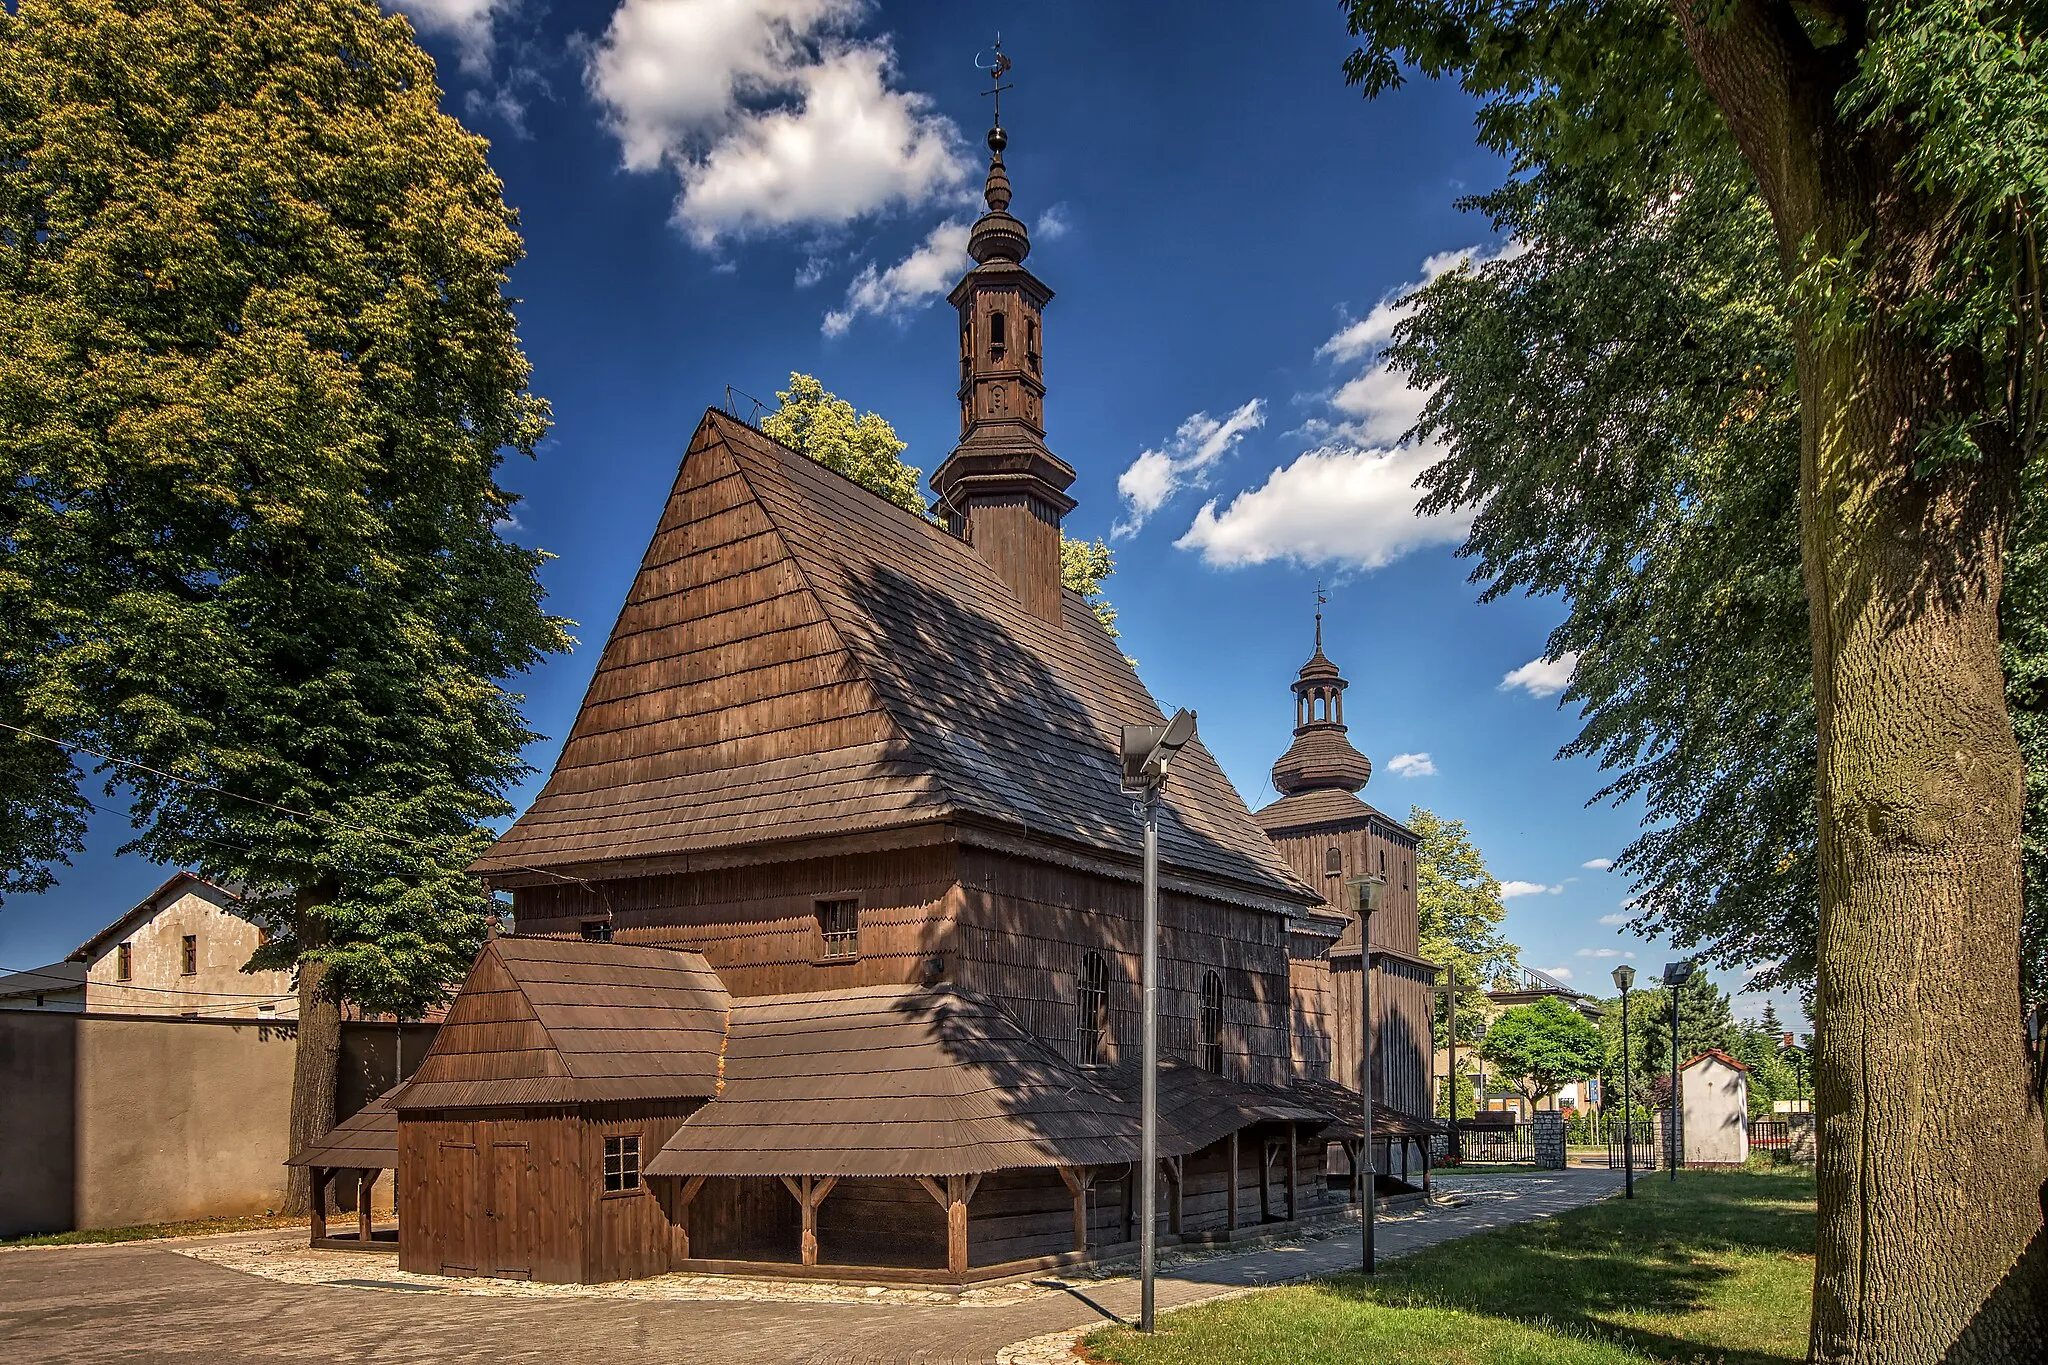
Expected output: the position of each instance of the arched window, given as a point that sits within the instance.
(1212, 1023)
(1091, 1024)
(1383, 862)
(998, 335)
(1031, 343)
(1333, 862)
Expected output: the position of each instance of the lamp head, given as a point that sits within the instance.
(1624, 978)
(1365, 893)
(1146, 750)
(1678, 973)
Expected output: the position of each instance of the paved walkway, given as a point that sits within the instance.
(151, 1302)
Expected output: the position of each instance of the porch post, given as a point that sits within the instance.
(1293, 1167)
(809, 1194)
(681, 1227)
(1230, 1221)
(321, 1175)
(1173, 1173)
(1078, 1179)
(364, 1182)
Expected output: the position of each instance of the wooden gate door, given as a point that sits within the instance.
(455, 1225)
(510, 1222)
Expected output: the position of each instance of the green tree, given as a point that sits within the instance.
(1892, 163)
(257, 371)
(1457, 1089)
(1542, 1047)
(866, 449)
(1460, 910)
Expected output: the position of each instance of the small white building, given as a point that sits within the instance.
(1714, 1093)
(179, 952)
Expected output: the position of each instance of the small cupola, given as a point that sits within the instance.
(1001, 489)
(1321, 755)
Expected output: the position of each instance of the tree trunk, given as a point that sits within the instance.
(316, 1065)
(1932, 1160)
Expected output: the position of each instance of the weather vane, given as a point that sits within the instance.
(998, 68)
(1320, 599)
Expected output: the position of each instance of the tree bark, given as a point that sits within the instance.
(316, 1064)
(1932, 1159)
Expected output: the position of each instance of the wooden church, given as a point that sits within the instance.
(826, 953)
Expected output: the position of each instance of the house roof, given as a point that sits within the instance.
(1717, 1055)
(564, 1021)
(800, 658)
(54, 979)
(366, 1140)
(142, 910)
(897, 1080)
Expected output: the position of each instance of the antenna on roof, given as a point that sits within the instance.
(732, 406)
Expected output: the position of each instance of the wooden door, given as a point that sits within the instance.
(457, 1204)
(509, 1221)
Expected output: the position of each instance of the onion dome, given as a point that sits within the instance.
(996, 235)
(1321, 757)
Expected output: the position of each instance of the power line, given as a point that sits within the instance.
(68, 982)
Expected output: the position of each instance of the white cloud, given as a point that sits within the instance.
(925, 272)
(468, 22)
(1380, 406)
(1341, 503)
(1053, 224)
(1376, 328)
(1561, 973)
(770, 113)
(1510, 890)
(1597, 864)
(1614, 919)
(1412, 765)
(1599, 952)
(1200, 442)
(1541, 677)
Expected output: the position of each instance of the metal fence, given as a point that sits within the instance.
(1640, 1136)
(1501, 1144)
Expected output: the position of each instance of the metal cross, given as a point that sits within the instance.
(996, 69)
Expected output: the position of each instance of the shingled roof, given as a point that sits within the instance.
(904, 1080)
(365, 1140)
(563, 1021)
(800, 658)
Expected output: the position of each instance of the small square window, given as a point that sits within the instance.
(189, 961)
(124, 962)
(839, 929)
(622, 1163)
(597, 930)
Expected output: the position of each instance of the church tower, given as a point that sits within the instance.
(1001, 489)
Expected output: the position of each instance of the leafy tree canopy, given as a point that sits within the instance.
(1459, 906)
(1542, 1046)
(866, 449)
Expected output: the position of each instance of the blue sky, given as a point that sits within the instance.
(717, 192)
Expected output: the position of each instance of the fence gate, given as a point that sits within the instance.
(1642, 1136)
(1498, 1144)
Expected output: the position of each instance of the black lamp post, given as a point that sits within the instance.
(1368, 891)
(1676, 974)
(1624, 978)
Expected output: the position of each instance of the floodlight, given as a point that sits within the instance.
(1678, 973)
(1145, 750)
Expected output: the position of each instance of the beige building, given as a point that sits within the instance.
(1498, 1093)
(1714, 1095)
(180, 952)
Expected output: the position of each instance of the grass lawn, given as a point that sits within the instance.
(199, 1227)
(1715, 1268)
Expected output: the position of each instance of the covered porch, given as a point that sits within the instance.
(353, 1156)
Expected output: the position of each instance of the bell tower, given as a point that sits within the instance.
(1001, 489)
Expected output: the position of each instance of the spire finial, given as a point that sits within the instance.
(1321, 602)
(996, 193)
(998, 67)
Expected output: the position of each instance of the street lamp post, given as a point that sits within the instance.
(1676, 974)
(1146, 752)
(1451, 1085)
(1367, 890)
(1625, 977)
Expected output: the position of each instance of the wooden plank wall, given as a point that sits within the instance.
(1311, 1010)
(1366, 851)
(446, 1166)
(748, 1219)
(628, 1234)
(758, 926)
(1402, 1027)
(1024, 928)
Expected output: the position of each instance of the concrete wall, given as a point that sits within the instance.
(1716, 1111)
(110, 1121)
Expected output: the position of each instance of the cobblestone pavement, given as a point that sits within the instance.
(190, 1302)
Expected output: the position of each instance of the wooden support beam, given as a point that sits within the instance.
(321, 1175)
(1404, 1161)
(1267, 1152)
(1130, 1209)
(1424, 1145)
(1230, 1213)
(1172, 1166)
(1293, 1175)
(364, 1182)
(679, 1215)
(1078, 1179)
(809, 1194)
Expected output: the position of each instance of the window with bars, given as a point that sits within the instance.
(1091, 1025)
(124, 962)
(839, 929)
(597, 930)
(622, 1163)
(188, 962)
(1212, 1023)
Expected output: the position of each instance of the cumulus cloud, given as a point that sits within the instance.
(1200, 442)
(1412, 765)
(1339, 504)
(1541, 677)
(1510, 890)
(1597, 864)
(771, 113)
(929, 270)
(468, 22)
(1561, 973)
(1614, 919)
(1053, 224)
(1599, 952)
(1376, 328)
